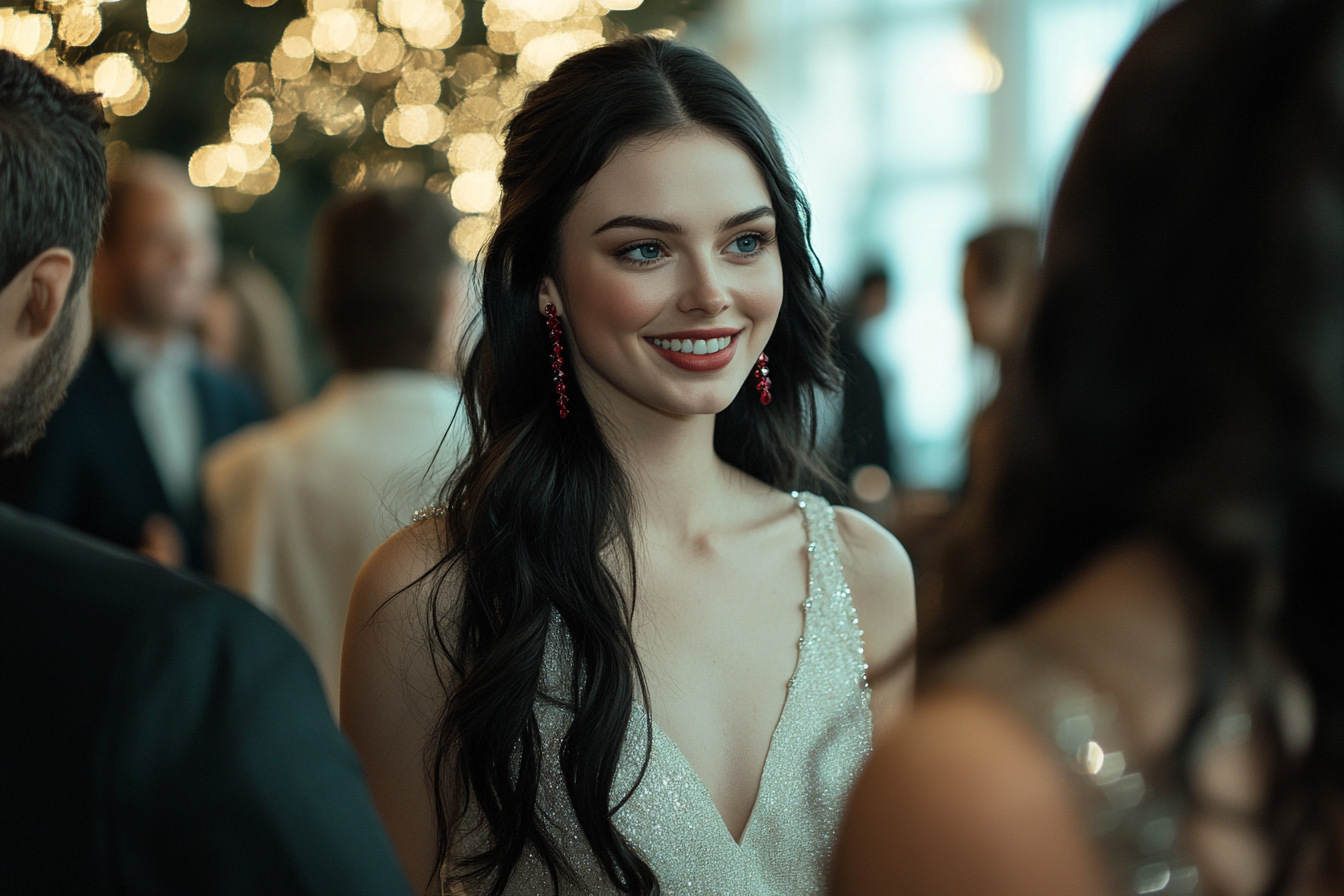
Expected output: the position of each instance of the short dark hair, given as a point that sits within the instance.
(1003, 252)
(379, 263)
(53, 170)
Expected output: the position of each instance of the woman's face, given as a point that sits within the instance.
(670, 280)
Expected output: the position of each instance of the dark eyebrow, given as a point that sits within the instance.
(642, 223)
(738, 220)
(661, 226)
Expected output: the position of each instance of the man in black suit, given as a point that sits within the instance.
(121, 457)
(159, 735)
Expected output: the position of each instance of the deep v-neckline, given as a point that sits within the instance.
(674, 750)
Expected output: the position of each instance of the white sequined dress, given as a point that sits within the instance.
(823, 735)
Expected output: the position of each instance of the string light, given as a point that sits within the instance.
(53, 37)
(394, 68)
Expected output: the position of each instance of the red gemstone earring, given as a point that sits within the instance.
(557, 362)
(763, 378)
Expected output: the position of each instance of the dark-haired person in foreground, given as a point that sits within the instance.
(159, 735)
(1136, 683)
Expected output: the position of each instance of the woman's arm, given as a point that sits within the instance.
(391, 696)
(961, 798)
(882, 585)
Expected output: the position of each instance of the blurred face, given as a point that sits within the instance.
(157, 271)
(993, 312)
(670, 279)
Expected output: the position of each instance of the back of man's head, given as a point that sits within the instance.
(53, 188)
(382, 265)
(53, 171)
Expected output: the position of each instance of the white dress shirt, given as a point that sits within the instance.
(166, 406)
(297, 504)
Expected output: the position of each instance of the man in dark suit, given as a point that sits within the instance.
(121, 458)
(160, 735)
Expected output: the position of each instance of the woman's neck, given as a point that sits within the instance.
(681, 487)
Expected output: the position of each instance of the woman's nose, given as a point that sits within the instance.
(702, 290)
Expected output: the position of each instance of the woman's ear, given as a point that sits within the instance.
(549, 294)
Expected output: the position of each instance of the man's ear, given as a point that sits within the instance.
(549, 294)
(44, 288)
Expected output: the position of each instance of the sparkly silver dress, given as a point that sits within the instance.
(1134, 813)
(823, 735)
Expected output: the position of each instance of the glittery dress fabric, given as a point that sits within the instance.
(1134, 814)
(823, 735)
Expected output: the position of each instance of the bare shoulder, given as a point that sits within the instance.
(399, 566)
(961, 776)
(881, 582)
(392, 686)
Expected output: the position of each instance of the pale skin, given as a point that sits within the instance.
(963, 797)
(29, 306)
(675, 233)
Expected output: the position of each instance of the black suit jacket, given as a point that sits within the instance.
(163, 736)
(93, 471)
(864, 438)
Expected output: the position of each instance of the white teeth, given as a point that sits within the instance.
(694, 346)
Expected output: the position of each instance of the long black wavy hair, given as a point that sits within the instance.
(538, 516)
(1183, 379)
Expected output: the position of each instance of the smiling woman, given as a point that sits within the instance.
(622, 656)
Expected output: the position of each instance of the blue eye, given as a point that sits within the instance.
(647, 252)
(747, 244)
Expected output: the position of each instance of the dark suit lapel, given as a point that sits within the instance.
(120, 426)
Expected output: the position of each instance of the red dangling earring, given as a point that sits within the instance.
(557, 361)
(763, 378)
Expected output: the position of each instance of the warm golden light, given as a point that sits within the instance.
(207, 165)
(385, 54)
(25, 34)
(114, 75)
(541, 55)
(475, 192)
(475, 152)
(470, 236)
(167, 16)
(397, 54)
(262, 178)
(418, 86)
(80, 24)
(251, 120)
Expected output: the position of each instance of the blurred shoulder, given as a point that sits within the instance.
(961, 776)
(881, 583)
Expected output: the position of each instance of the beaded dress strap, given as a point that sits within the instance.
(832, 623)
(434, 511)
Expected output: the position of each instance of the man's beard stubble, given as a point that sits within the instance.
(27, 403)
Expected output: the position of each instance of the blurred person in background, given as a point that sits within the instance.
(999, 283)
(296, 504)
(121, 458)
(247, 324)
(1136, 683)
(160, 735)
(864, 438)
